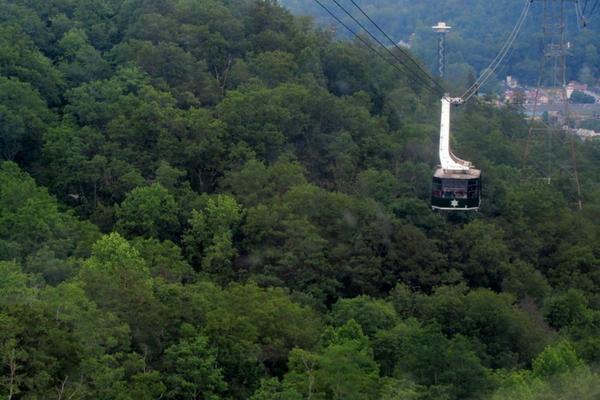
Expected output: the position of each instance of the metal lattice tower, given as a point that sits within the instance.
(556, 49)
(553, 74)
(442, 29)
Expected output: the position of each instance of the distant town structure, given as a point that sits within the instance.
(511, 82)
(408, 44)
(442, 29)
(404, 44)
(546, 103)
(576, 86)
(587, 134)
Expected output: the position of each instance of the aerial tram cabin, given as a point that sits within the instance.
(456, 182)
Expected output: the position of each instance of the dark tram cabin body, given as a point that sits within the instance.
(456, 190)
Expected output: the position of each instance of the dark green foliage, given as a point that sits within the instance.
(30, 220)
(582, 98)
(191, 372)
(165, 259)
(557, 373)
(372, 315)
(21, 59)
(118, 280)
(263, 193)
(343, 369)
(424, 354)
(505, 335)
(24, 115)
(148, 212)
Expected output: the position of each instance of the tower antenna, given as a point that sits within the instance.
(442, 29)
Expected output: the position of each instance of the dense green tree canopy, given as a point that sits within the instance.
(215, 199)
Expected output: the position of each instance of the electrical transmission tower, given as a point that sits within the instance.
(553, 77)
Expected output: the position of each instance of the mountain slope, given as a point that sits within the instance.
(479, 30)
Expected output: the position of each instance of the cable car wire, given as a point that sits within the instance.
(400, 49)
(411, 72)
(430, 83)
(489, 71)
(367, 44)
(588, 18)
(579, 16)
(595, 6)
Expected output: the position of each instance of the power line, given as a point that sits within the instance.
(402, 51)
(367, 44)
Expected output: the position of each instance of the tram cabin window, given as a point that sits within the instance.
(454, 188)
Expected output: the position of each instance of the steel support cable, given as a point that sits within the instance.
(487, 74)
(508, 59)
(580, 17)
(593, 10)
(592, 13)
(413, 74)
(367, 44)
(492, 68)
(400, 49)
(501, 54)
(581, 13)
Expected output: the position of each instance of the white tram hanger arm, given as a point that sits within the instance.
(448, 160)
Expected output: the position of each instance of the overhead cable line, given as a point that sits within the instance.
(580, 15)
(366, 43)
(586, 18)
(412, 73)
(400, 49)
(419, 74)
(594, 8)
(489, 71)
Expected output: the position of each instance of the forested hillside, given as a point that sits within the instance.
(480, 28)
(213, 199)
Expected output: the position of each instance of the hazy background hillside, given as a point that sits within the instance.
(480, 29)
